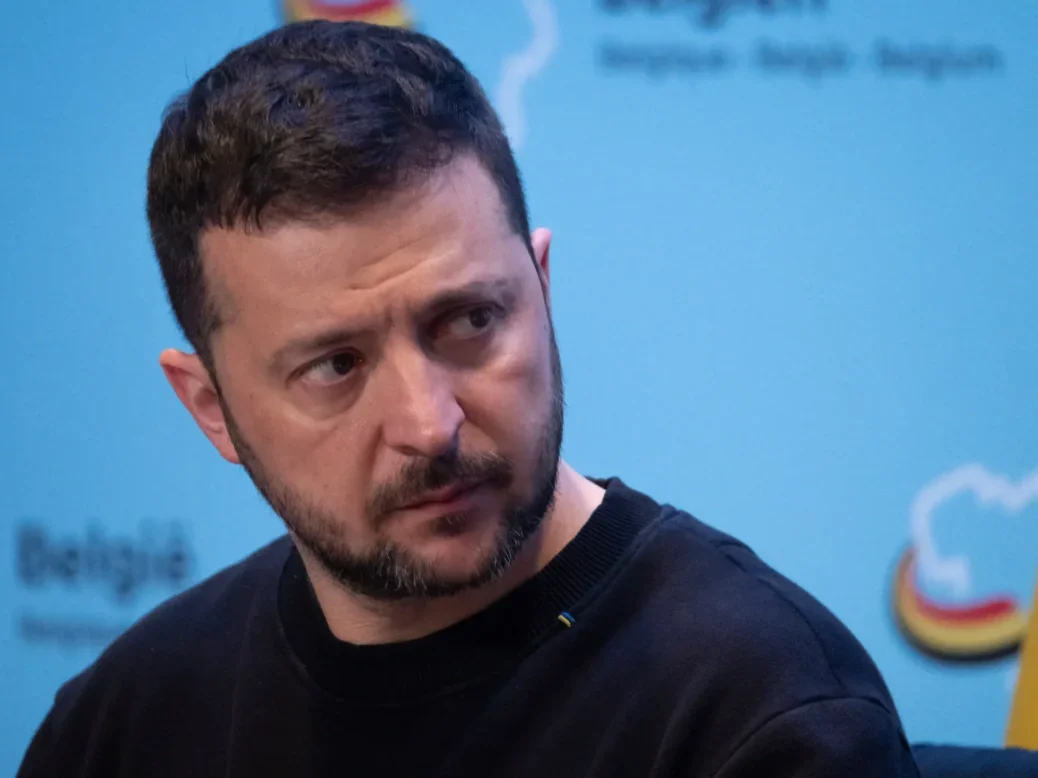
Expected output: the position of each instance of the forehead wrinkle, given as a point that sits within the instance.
(452, 185)
(442, 203)
(395, 266)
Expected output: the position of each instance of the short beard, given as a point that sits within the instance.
(390, 572)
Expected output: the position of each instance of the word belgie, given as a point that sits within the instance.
(159, 555)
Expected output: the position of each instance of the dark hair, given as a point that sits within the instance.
(313, 118)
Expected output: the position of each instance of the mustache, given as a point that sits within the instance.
(422, 476)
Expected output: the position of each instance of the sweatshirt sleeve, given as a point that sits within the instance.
(50, 753)
(38, 761)
(825, 739)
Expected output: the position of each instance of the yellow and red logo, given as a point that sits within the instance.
(986, 628)
(392, 13)
(970, 630)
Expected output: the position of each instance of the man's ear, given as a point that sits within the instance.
(196, 390)
(540, 239)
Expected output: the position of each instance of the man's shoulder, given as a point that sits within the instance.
(191, 634)
(181, 657)
(220, 602)
(749, 621)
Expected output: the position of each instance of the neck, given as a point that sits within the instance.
(363, 621)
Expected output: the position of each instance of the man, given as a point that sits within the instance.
(343, 236)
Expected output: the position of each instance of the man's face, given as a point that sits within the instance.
(372, 367)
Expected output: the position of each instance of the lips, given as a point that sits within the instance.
(986, 628)
(441, 496)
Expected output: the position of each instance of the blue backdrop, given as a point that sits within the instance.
(794, 285)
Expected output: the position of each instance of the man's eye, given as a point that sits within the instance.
(333, 369)
(471, 323)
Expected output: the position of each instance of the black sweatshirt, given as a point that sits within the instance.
(652, 645)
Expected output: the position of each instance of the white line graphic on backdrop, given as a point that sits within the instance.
(989, 489)
(519, 69)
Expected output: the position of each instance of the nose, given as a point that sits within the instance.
(422, 416)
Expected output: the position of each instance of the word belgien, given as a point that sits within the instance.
(714, 13)
(158, 556)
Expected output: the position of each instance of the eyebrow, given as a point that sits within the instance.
(439, 304)
(467, 294)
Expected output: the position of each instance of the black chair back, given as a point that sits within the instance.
(937, 761)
